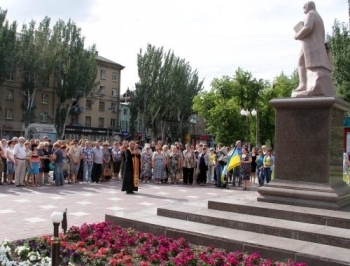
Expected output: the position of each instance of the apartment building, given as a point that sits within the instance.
(13, 102)
(124, 118)
(98, 119)
(91, 119)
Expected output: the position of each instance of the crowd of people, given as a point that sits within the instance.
(28, 163)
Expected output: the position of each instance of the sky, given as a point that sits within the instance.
(215, 37)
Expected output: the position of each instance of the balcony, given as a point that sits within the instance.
(112, 109)
(76, 110)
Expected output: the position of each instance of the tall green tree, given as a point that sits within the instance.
(34, 63)
(7, 46)
(339, 44)
(281, 87)
(222, 105)
(164, 92)
(74, 69)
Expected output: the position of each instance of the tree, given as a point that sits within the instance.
(74, 70)
(7, 46)
(34, 63)
(164, 93)
(339, 44)
(221, 106)
(281, 87)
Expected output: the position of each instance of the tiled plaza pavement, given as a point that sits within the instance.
(26, 212)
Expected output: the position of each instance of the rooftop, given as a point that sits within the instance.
(101, 58)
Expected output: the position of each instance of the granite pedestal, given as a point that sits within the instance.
(308, 169)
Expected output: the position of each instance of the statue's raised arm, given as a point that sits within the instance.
(314, 67)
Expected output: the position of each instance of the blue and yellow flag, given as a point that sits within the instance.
(233, 161)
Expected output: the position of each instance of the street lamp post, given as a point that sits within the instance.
(253, 112)
(57, 218)
(194, 121)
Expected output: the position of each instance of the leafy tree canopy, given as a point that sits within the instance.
(164, 92)
(339, 44)
(7, 46)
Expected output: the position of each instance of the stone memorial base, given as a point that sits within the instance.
(308, 168)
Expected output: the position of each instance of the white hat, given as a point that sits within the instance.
(147, 145)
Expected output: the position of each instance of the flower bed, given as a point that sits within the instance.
(106, 244)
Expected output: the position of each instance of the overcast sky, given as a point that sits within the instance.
(215, 37)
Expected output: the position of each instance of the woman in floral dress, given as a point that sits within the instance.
(174, 164)
(158, 164)
(146, 164)
(189, 162)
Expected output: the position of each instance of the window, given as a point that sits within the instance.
(115, 76)
(113, 107)
(11, 76)
(101, 106)
(88, 121)
(101, 91)
(113, 123)
(101, 122)
(88, 104)
(103, 74)
(124, 125)
(125, 111)
(45, 98)
(9, 113)
(9, 94)
(114, 93)
(43, 117)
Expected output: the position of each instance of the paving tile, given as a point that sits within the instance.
(83, 202)
(22, 200)
(87, 194)
(79, 213)
(6, 211)
(147, 203)
(114, 199)
(48, 207)
(112, 192)
(115, 208)
(34, 220)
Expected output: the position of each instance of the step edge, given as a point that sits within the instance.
(229, 218)
(288, 249)
(299, 209)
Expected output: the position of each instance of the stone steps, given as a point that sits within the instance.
(280, 211)
(239, 222)
(315, 233)
(268, 246)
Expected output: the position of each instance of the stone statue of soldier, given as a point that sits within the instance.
(314, 66)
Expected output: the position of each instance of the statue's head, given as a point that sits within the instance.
(309, 6)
